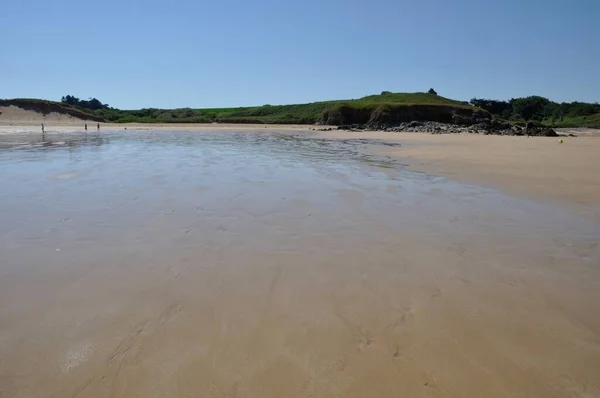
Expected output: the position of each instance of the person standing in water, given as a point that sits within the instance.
(43, 131)
(86, 127)
(98, 126)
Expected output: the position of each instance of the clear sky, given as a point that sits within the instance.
(178, 53)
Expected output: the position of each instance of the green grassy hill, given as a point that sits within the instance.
(591, 121)
(395, 106)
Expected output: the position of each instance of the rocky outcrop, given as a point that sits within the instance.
(427, 118)
(482, 126)
(542, 132)
(387, 115)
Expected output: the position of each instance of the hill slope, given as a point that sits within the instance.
(380, 110)
(44, 107)
(374, 109)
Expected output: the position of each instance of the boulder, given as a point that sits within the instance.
(485, 121)
(501, 124)
(462, 120)
(480, 126)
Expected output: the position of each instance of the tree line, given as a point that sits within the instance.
(535, 108)
(92, 103)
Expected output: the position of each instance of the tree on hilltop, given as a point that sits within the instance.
(92, 103)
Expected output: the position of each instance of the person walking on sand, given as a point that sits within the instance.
(86, 127)
(43, 131)
(98, 126)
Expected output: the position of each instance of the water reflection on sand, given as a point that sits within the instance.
(279, 264)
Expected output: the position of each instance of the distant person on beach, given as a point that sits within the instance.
(529, 128)
(86, 127)
(43, 131)
(98, 126)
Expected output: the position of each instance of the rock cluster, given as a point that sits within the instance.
(480, 126)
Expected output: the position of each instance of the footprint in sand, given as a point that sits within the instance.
(365, 341)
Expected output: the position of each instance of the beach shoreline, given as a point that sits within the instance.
(534, 168)
(537, 168)
(285, 259)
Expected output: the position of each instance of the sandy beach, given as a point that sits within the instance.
(271, 261)
(300, 199)
(535, 168)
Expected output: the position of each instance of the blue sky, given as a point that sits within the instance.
(178, 53)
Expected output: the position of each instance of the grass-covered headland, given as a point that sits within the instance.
(385, 109)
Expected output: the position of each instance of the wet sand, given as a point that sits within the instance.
(239, 263)
(535, 168)
(15, 120)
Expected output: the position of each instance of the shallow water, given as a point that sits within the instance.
(147, 263)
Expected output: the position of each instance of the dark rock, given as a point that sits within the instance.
(463, 120)
(351, 127)
(485, 121)
(532, 130)
(479, 126)
(500, 124)
(487, 127)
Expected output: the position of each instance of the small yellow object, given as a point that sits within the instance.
(560, 141)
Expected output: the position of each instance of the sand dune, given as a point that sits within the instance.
(18, 116)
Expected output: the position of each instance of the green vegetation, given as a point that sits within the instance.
(45, 107)
(386, 108)
(544, 111)
(592, 121)
(91, 104)
(283, 114)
